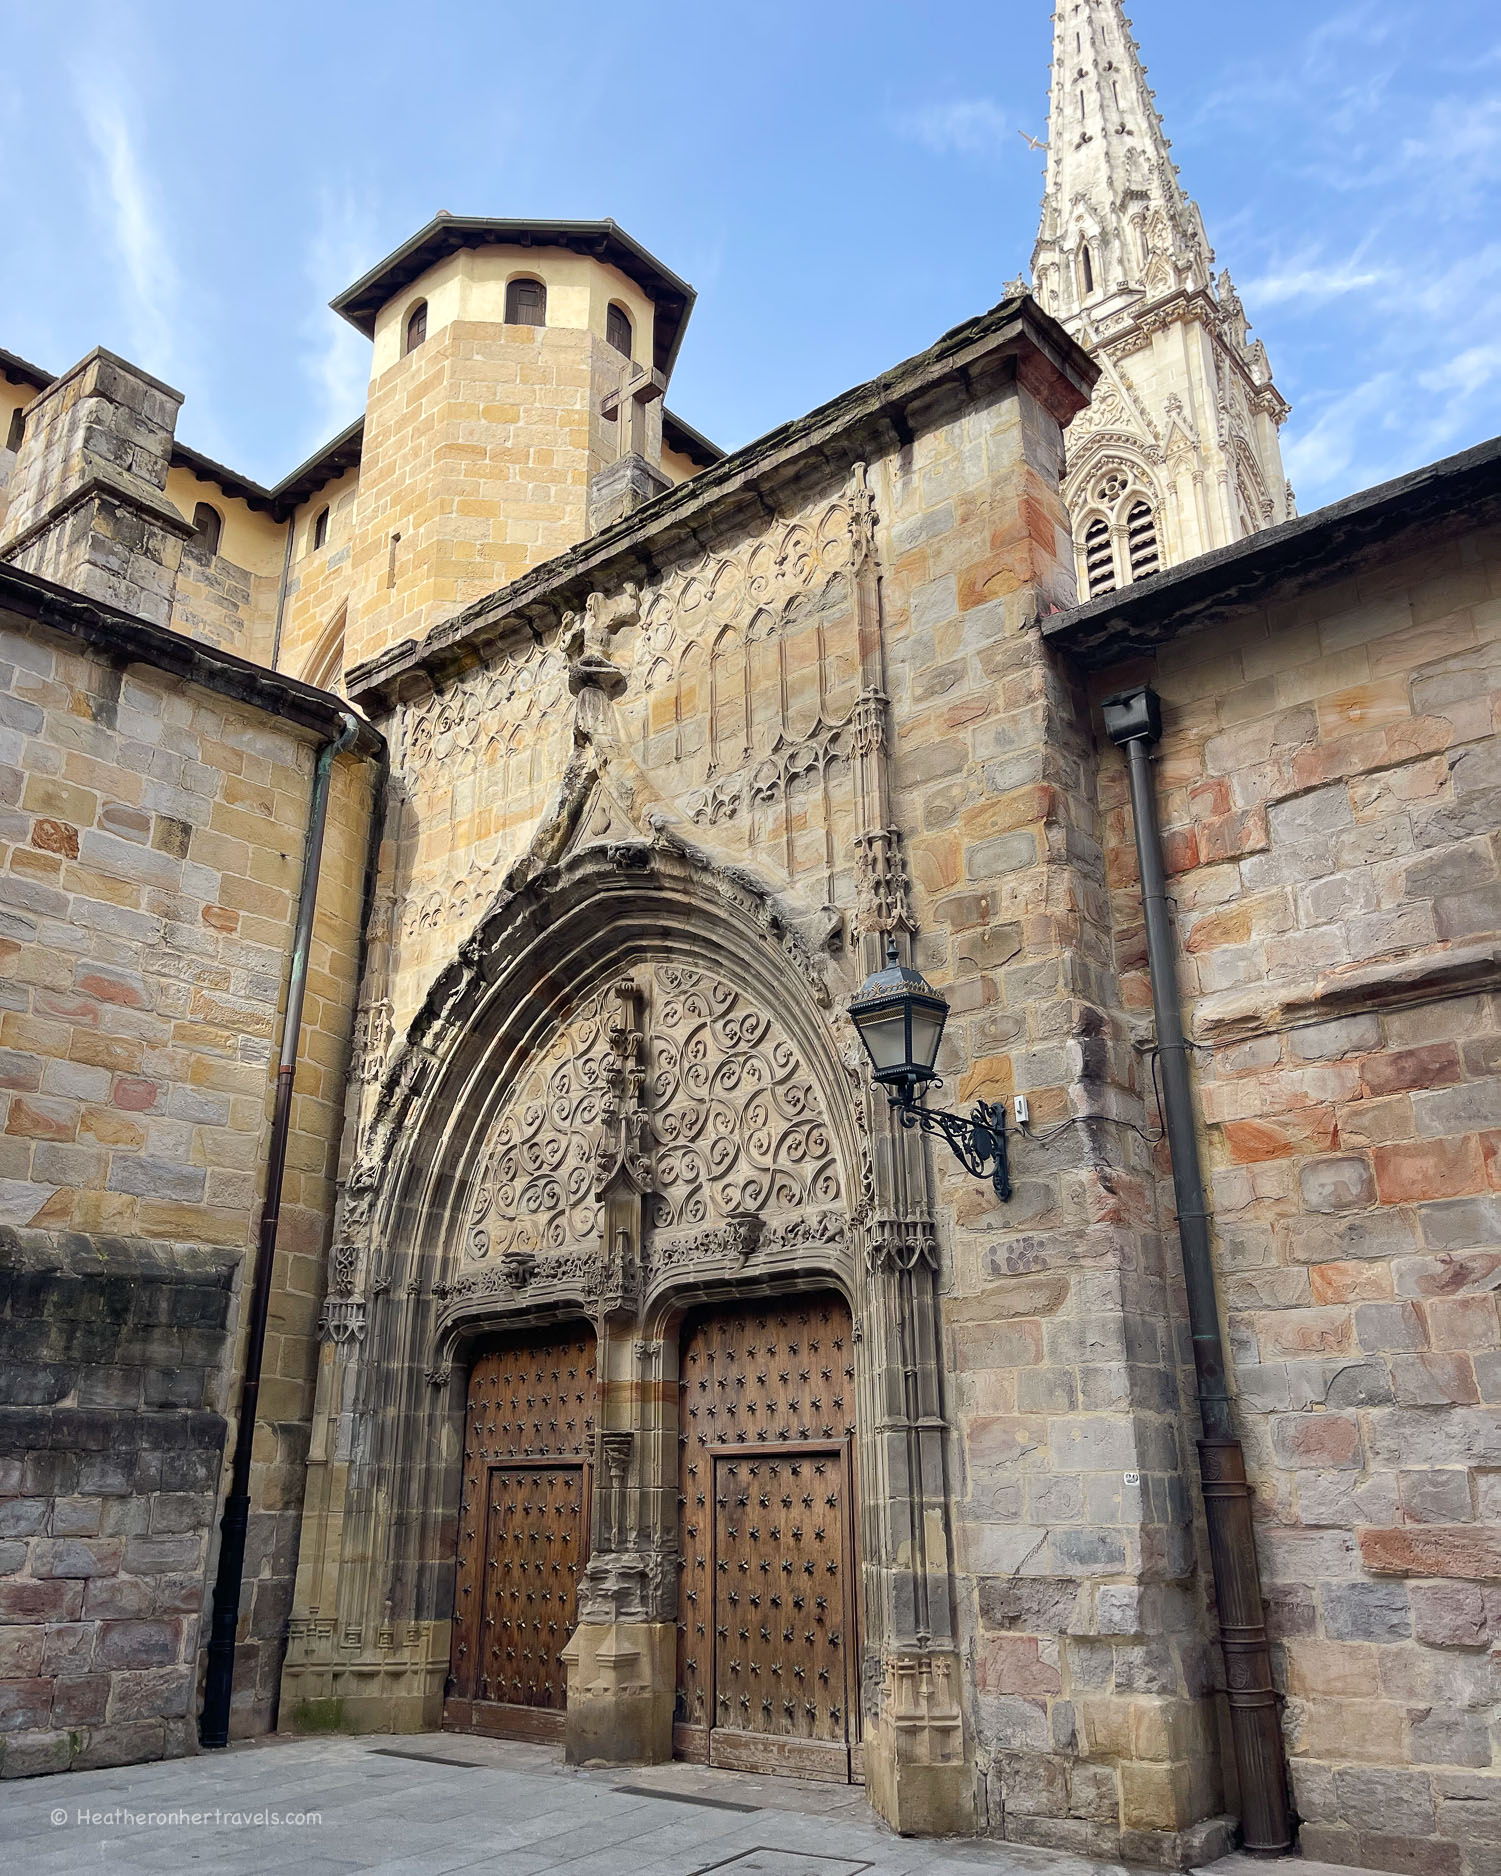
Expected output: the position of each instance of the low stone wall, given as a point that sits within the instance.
(109, 1461)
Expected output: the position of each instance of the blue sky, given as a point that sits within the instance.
(842, 180)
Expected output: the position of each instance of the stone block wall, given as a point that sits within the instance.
(1330, 778)
(151, 846)
(318, 581)
(479, 449)
(1080, 1600)
(111, 1357)
(87, 504)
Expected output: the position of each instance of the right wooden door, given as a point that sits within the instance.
(767, 1644)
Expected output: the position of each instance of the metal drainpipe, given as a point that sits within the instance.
(213, 1726)
(1133, 722)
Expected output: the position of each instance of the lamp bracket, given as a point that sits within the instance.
(978, 1141)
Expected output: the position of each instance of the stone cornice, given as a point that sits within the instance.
(123, 640)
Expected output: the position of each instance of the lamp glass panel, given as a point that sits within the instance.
(884, 1033)
(927, 1033)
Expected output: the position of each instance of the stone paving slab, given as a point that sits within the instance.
(430, 1805)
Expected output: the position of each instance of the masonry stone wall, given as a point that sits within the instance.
(1330, 781)
(318, 584)
(151, 846)
(478, 453)
(111, 1433)
(1080, 1587)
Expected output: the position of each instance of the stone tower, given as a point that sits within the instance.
(514, 409)
(1178, 453)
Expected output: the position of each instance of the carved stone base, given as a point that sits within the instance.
(621, 1679)
(917, 1773)
(361, 1696)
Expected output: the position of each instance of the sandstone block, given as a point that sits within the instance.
(1366, 1612)
(1472, 1551)
(136, 1644)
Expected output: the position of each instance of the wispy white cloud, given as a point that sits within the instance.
(962, 127)
(125, 202)
(335, 359)
(1312, 281)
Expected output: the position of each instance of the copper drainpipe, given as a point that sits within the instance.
(213, 1725)
(1133, 722)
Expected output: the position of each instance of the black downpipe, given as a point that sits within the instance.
(213, 1726)
(1133, 722)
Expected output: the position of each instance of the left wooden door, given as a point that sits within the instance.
(523, 1535)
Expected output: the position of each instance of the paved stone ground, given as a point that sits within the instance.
(424, 1804)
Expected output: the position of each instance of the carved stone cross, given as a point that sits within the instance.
(639, 386)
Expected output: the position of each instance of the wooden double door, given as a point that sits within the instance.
(768, 1609)
(523, 1535)
(768, 1653)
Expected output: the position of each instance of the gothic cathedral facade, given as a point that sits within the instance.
(448, 872)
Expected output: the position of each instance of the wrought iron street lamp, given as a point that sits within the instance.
(900, 1019)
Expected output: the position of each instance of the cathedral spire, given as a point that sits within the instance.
(1116, 222)
(1178, 452)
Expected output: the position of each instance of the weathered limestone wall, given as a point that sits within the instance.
(87, 504)
(1073, 1506)
(151, 844)
(111, 1432)
(1330, 780)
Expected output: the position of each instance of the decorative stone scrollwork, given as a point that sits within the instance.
(537, 1192)
(737, 1123)
(674, 1085)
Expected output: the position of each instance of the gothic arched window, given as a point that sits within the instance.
(1119, 542)
(417, 326)
(207, 527)
(526, 303)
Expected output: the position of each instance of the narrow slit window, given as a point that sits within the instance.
(207, 527)
(417, 326)
(320, 530)
(526, 303)
(17, 429)
(1086, 268)
(1141, 542)
(1099, 561)
(618, 330)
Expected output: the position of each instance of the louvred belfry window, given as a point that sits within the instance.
(1141, 541)
(1099, 561)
